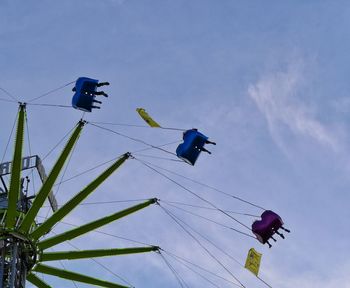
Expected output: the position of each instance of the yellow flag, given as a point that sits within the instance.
(147, 118)
(253, 261)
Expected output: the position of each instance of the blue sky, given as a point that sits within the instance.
(267, 81)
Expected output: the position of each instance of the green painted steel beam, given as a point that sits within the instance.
(35, 280)
(15, 182)
(65, 274)
(50, 181)
(77, 199)
(72, 255)
(70, 234)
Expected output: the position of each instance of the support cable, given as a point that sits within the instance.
(105, 233)
(9, 139)
(83, 229)
(4, 155)
(49, 105)
(65, 169)
(138, 126)
(106, 202)
(63, 174)
(63, 266)
(184, 260)
(166, 251)
(46, 188)
(208, 240)
(147, 244)
(30, 152)
(132, 138)
(164, 201)
(109, 202)
(161, 158)
(120, 124)
(220, 249)
(14, 98)
(207, 186)
(195, 194)
(101, 265)
(7, 100)
(149, 148)
(210, 220)
(16, 167)
(172, 269)
(177, 220)
(208, 208)
(50, 92)
(87, 171)
(113, 273)
(194, 271)
(58, 143)
(101, 164)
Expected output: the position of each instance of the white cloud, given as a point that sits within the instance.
(276, 97)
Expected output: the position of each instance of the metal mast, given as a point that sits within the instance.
(17, 253)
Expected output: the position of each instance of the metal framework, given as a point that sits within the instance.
(22, 250)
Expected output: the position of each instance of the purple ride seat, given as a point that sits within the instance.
(269, 224)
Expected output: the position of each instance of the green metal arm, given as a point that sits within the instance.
(77, 199)
(35, 280)
(75, 276)
(71, 255)
(15, 182)
(50, 181)
(47, 243)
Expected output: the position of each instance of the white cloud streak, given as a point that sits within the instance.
(276, 97)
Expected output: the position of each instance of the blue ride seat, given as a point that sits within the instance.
(192, 146)
(85, 94)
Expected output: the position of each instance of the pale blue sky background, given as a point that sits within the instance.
(268, 81)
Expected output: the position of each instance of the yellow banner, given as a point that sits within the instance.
(147, 118)
(253, 261)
